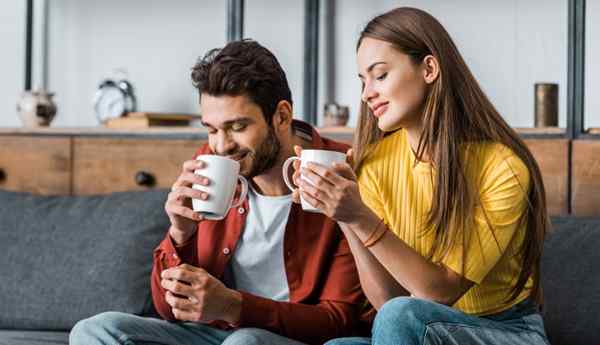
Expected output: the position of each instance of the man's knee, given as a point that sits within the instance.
(349, 341)
(336, 342)
(248, 336)
(98, 329)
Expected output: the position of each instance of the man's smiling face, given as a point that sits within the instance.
(237, 129)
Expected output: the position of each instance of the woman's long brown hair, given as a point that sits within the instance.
(456, 115)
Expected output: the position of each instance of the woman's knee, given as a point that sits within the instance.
(402, 319)
(398, 308)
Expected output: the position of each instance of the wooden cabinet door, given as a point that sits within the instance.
(552, 156)
(39, 165)
(105, 165)
(585, 183)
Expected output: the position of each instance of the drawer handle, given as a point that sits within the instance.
(146, 179)
(2, 175)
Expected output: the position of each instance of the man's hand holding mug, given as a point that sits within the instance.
(184, 221)
(204, 190)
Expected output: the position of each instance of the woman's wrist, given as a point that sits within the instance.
(364, 225)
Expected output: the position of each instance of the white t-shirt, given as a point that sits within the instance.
(258, 264)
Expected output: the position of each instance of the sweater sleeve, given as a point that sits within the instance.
(166, 255)
(499, 219)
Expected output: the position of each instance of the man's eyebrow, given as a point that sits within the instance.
(242, 119)
(371, 66)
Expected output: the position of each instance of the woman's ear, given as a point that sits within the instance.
(431, 69)
(283, 115)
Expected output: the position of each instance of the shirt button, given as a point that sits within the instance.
(226, 251)
(241, 210)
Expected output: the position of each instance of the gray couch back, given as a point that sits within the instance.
(63, 259)
(571, 281)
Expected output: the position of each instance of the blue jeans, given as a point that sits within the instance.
(412, 321)
(115, 328)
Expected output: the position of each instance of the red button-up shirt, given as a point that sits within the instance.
(325, 293)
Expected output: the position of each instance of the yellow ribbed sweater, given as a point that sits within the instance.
(401, 194)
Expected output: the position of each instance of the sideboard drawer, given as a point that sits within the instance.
(39, 165)
(105, 165)
(552, 156)
(585, 183)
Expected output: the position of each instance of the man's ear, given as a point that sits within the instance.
(431, 69)
(282, 119)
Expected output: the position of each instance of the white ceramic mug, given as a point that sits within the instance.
(223, 174)
(323, 157)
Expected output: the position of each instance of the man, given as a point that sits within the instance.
(269, 273)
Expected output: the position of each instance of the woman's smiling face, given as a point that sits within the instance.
(394, 87)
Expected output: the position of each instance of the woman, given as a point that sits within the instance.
(447, 216)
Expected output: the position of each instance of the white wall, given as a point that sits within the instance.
(592, 67)
(156, 41)
(12, 66)
(279, 26)
(508, 45)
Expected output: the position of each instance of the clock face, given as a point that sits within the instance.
(109, 103)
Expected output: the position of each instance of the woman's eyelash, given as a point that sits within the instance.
(381, 77)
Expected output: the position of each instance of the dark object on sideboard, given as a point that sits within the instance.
(546, 105)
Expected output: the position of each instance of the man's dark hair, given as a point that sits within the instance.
(243, 68)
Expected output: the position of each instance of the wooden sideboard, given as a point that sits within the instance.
(585, 181)
(95, 161)
(101, 165)
(40, 165)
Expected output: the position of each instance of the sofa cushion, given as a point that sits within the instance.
(33, 338)
(571, 281)
(65, 258)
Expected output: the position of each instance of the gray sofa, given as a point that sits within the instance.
(63, 259)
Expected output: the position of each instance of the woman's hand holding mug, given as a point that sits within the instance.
(330, 189)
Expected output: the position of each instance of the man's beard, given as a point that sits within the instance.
(265, 155)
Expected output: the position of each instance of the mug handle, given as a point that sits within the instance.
(286, 167)
(243, 194)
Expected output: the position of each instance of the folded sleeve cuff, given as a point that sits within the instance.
(174, 255)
